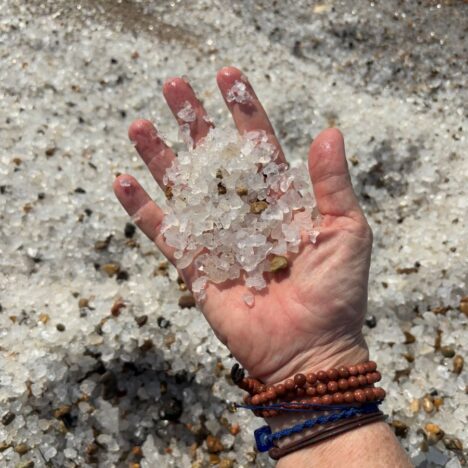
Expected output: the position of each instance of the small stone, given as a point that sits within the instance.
(415, 406)
(137, 451)
(409, 338)
(50, 151)
(62, 411)
(438, 340)
(147, 346)
(83, 303)
(129, 230)
(221, 188)
(141, 320)
(371, 321)
(434, 433)
(438, 402)
(171, 409)
(4, 446)
(458, 363)
(278, 262)
(27, 207)
(464, 305)
(117, 306)
(163, 322)
(226, 463)
(234, 429)
(186, 301)
(110, 269)
(44, 318)
(213, 444)
(427, 404)
(181, 283)
(452, 443)
(168, 192)
(21, 449)
(60, 327)
(214, 459)
(169, 340)
(8, 418)
(400, 428)
(401, 373)
(447, 351)
(241, 191)
(26, 464)
(258, 206)
(102, 244)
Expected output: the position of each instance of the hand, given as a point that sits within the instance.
(310, 316)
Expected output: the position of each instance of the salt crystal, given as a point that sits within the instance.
(249, 299)
(187, 113)
(238, 93)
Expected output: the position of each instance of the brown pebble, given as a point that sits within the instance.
(409, 338)
(438, 340)
(258, 206)
(226, 463)
(447, 351)
(169, 340)
(168, 192)
(186, 301)
(146, 346)
(241, 191)
(62, 411)
(102, 244)
(401, 373)
(44, 318)
(234, 429)
(110, 269)
(50, 151)
(427, 404)
(434, 433)
(400, 428)
(458, 363)
(60, 327)
(8, 418)
(134, 465)
(27, 207)
(213, 444)
(442, 310)
(141, 320)
(464, 305)
(409, 357)
(17, 161)
(415, 406)
(4, 446)
(117, 306)
(221, 189)
(214, 459)
(161, 269)
(452, 443)
(83, 302)
(278, 262)
(181, 283)
(137, 451)
(438, 402)
(21, 449)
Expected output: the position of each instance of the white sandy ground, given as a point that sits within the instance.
(74, 75)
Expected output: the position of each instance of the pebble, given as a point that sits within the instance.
(453, 443)
(415, 406)
(21, 449)
(187, 301)
(458, 363)
(258, 206)
(278, 262)
(171, 409)
(409, 338)
(464, 305)
(117, 306)
(8, 418)
(141, 320)
(428, 405)
(371, 321)
(400, 428)
(62, 411)
(213, 444)
(60, 327)
(434, 433)
(129, 230)
(110, 269)
(447, 351)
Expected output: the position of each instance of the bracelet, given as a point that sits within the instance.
(331, 430)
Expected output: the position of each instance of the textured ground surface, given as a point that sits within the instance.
(87, 382)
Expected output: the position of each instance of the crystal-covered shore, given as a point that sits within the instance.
(101, 361)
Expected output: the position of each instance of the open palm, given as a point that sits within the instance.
(311, 314)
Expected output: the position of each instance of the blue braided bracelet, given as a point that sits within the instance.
(264, 438)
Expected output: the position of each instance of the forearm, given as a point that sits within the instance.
(371, 446)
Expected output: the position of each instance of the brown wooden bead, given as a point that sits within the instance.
(263, 397)
(271, 394)
(348, 397)
(315, 400)
(311, 378)
(353, 370)
(343, 384)
(280, 389)
(379, 393)
(362, 380)
(332, 374)
(321, 389)
(261, 388)
(311, 391)
(269, 387)
(377, 376)
(361, 368)
(359, 396)
(290, 396)
(370, 379)
(343, 371)
(369, 392)
(256, 399)
(300, 380)
(338, 398)
(332, 386)
(371, 366)
(322, 376)
(353, 382)
(300, 392)
(326, 400)
(289, 384)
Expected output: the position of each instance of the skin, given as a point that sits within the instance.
(313, 312)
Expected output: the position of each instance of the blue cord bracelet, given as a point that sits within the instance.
(264, 438)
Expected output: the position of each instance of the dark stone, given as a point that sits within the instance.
(371, 321)
(122, 275)
(171, 409)
(60, 327)
(8, 418)
(129, 230)
(80, 190)
(163, 322)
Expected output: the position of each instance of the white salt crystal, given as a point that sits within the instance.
(238, 93)
(187, 113)
(249, 299)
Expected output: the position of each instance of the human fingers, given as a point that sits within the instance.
(187, 109)
(242, 102)
(152, 148)
(330, 175)
(146, 214)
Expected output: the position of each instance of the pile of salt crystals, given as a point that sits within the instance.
(233, 212)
